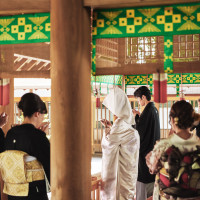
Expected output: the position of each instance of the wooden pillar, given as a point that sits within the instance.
(71, 101)
(123, 84)
(6, 65)
(9, 109)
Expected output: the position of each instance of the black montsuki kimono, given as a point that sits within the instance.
(148, 126)
(33, 141)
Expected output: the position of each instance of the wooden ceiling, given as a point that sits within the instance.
(10, 7)
(131, 3)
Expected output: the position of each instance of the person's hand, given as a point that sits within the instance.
(106, 123)
(135, 112)
(152, 162)
(102, 184)
(148, 158)
(3, 119)
(44, 126)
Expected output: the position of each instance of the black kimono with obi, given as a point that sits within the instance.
(148, 126)
(34, 142)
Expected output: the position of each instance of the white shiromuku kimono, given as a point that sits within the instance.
(120, 147)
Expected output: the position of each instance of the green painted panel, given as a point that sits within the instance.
(168, 54)
(147, 21)
(27, 28)
(110, 79)
(187, 78)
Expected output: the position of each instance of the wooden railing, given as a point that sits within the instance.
(102, 112)
(96, 187)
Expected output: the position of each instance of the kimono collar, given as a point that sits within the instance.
(150, 105)
(117, 102)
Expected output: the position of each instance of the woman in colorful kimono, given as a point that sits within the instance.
(29, 140)
(120, 147)
(176, 159)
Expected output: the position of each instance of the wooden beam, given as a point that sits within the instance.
(36, 50)
(28, 65)
(13, 7)
(187, 67)
(38, 66)
(131, 69)
(18, 64)
(25, 74)
(9, 109)
(7, 58)
(131, 3)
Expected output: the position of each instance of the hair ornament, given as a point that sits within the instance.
(176, 120)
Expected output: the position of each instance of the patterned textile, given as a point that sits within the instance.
(180, 175)
(32, 172)
(185, 147)
(120, 148)
(17, 174)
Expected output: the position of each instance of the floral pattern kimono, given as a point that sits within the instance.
(120, 147)
(153, 158)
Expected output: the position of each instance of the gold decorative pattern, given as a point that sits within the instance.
(22, 28)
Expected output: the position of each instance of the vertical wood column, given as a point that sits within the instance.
(6, 65)
(123, 84)
(9, 109)
(71, 101)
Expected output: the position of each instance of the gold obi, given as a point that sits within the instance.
(17, 174)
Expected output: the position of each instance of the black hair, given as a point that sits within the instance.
(31, 103)
(184, 112)
(143, 90)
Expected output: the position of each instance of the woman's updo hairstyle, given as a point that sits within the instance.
(183, 114)
(31, 103)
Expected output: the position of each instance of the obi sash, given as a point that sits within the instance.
(180, 175)
(18, 169)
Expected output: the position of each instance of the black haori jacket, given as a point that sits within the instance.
(148, 126)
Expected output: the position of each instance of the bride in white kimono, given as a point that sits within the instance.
(120, 147)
